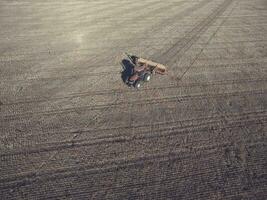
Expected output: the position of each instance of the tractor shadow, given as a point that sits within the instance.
(127, 70)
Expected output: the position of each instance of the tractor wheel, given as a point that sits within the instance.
(147, 77)
(137, 84)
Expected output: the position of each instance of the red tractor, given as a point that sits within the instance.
(143, 70)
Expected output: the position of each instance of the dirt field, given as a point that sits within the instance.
(71, 129)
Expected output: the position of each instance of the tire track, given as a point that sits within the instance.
(154, 126)
(62, 173)
(114, 72)
(176, 51)
(159, 130)
(152, 182)
(118, 104)
(127, 91)
(212, 36)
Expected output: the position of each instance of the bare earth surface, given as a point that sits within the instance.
(71, 129)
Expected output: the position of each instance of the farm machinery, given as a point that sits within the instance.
(143, 70)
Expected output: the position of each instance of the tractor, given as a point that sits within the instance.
(143, 70)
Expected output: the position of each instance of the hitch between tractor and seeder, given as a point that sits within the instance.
(143, 70)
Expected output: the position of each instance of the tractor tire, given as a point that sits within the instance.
(147, 77)
(137, 84)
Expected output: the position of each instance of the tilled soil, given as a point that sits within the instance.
(70, 128)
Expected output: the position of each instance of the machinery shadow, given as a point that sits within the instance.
(127, 70)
